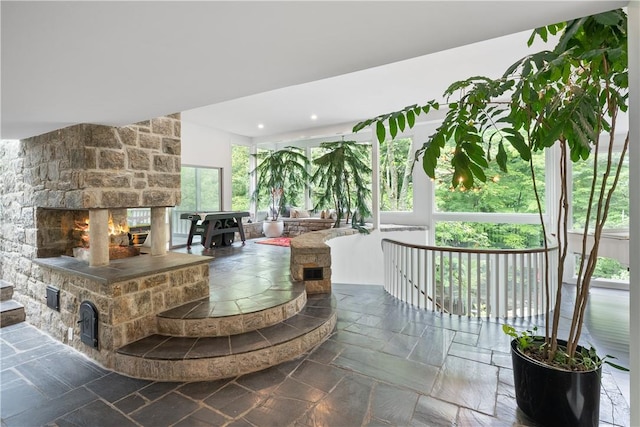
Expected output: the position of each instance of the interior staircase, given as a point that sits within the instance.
(11, 311)
(208, 340)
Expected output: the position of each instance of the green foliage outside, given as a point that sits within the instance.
(240, 197)
(503, 192)
(396, 180)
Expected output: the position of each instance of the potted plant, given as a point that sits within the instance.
(341, 173)
(282, 177)
(567, 99)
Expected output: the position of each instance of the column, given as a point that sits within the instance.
(158, 231)
(98, 237)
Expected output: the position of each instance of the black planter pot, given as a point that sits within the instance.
(554, 397)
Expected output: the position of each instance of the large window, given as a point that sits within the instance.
(467, 234)
(510, 192)
(396, 182)
(201, 192)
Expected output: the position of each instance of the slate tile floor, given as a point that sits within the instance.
(385, 364)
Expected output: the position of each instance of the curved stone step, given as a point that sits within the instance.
(209, 318)
(166, 358)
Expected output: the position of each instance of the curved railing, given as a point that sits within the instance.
(469, 282)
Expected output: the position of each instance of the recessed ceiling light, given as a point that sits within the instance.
(314, 117)
(260, 126)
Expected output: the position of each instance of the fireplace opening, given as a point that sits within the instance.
(121, 243)
(66, 232)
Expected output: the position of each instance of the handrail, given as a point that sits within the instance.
(471, 250)
(468, 281)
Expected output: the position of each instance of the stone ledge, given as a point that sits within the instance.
(122, 269)
(309, 250)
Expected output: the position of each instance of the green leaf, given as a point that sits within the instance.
(501, 157)
(401, 122)
(610, 18)
(381, 132)
(478, 172)
(411, 118)
(393, 127)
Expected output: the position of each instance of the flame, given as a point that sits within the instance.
(114, 230)
(117, 229)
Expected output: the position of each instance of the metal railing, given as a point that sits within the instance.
(470, 282)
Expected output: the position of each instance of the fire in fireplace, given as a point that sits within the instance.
(120, 241)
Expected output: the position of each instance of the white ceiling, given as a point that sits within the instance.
(248, 62)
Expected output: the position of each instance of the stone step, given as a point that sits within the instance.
(6, 290)
(11, 312)
(223, 318)
(166, 358)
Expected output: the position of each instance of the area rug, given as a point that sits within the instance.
(277, 241)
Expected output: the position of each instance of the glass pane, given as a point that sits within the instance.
(188, 189)
(209, 190)
(618, 217)
(240, 178)
(396, 181)
(606, 268)
(462, 234)
(510, 192)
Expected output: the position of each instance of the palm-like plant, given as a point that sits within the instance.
(282, 177)
(569, 98)
(341, 174)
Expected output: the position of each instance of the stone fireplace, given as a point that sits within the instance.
(103, 170)
(64, 186)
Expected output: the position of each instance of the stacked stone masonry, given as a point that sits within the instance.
(126, 309)
(310, 251)
(92, 166)
(292, 227)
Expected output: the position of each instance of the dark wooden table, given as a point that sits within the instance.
(215, 228)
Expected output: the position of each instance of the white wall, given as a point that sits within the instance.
(357, 259)
(208, 147)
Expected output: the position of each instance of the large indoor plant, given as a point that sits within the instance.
(568, 99)
(282, 178)
(340, 178)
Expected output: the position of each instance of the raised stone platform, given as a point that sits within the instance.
(166, 358)
(212, 318)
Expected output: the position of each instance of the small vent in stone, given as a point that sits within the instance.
(312, 273)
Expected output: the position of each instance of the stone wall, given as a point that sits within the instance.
(297, 226)
(92, 166)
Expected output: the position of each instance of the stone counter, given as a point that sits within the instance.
(310, 252)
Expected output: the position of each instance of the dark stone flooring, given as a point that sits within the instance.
(385, 364)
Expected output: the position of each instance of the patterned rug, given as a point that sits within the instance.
(277, 241)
